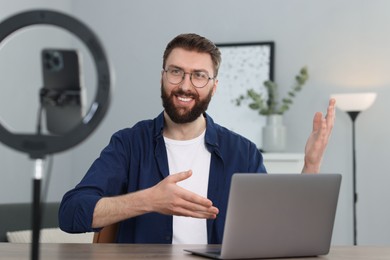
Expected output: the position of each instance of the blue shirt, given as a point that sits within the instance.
(136, 159)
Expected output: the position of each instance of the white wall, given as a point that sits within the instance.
(344, 43)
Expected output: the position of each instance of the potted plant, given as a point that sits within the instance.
(269, 105)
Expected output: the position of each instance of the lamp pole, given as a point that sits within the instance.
(353, 104)
(353, 115)
(37, 208)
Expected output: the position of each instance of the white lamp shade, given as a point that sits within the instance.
(354, 101)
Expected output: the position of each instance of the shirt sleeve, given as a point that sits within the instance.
(256, 160)
(107, 176)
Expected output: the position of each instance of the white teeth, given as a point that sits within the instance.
(184, 99)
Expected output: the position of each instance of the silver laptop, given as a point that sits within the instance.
(277, 215)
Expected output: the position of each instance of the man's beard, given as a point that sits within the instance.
(189, 115)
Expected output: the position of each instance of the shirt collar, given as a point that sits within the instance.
(159, 125)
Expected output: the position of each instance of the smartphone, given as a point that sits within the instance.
(61, 94)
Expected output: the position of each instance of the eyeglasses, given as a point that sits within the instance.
(198, 78)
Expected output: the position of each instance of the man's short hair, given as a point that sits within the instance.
(194, 42)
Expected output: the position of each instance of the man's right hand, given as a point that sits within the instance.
(169, 198)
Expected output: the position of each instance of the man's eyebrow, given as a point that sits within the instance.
(174, 67)
(201, 70)
(194, 70)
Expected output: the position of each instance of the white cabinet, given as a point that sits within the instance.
(283, 162)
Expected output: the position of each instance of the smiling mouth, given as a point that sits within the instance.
(184, 99)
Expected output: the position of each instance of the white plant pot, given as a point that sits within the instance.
(274, 134)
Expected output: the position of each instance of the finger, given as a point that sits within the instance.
(317, 120)
(185, 208)
(205, 212)
(205, 215)
(331, 113)
(332, 102)
(323, 130)
(199, 208)
(195, 198)
(195, 214)
(177, 177)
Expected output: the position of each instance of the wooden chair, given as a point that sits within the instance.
(107, 234)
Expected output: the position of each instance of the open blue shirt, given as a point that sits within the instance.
(136, 159)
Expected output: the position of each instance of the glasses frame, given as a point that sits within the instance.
(189, 73)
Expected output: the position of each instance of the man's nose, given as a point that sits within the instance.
(186, 83)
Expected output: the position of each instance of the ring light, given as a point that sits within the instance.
(39, 145)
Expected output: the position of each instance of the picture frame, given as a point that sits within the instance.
(244, 66)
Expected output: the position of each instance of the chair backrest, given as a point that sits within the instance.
(17, 216)
(107, 234)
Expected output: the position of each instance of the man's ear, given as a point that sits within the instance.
(215, 87)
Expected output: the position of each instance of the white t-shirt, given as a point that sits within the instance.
(183, 156)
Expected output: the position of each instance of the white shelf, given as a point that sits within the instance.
(283, 162)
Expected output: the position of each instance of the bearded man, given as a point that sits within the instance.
(167, 180)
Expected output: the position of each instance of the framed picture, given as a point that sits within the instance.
(244, 66)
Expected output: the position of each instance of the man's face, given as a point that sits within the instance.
(184, 102)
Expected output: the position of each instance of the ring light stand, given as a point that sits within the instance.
(39, 145)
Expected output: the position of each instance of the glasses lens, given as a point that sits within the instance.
(175, 76)
(199, 79)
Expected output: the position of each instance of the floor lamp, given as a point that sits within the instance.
(353, 104)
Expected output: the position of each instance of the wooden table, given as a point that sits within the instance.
(172, 252)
